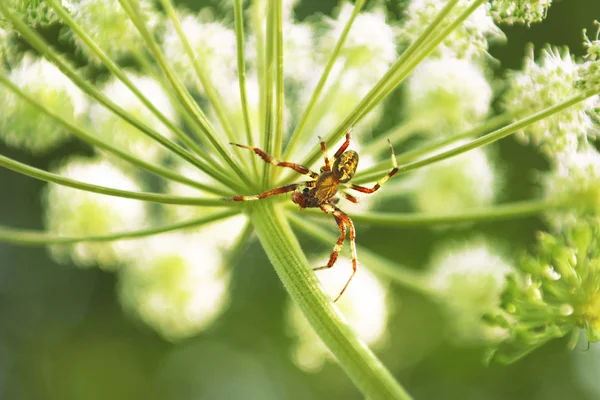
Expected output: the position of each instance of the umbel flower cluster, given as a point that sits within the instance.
(162, 90)
(555, 293)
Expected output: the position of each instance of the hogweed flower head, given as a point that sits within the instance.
(520, 11)
(469, 41)
(469, 280)
(20, 123)
(71, 212)
(213, 44)
(574, 180)
(107, 23)
(449, 95)
(555, 78)
(557, 292)
(119, 132)
(456, 185)
(175, 283)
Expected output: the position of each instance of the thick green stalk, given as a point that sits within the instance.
(27, 237)
(152, 197)
(355, 358)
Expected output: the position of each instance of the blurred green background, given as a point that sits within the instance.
(63, 334)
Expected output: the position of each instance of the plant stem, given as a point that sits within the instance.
(32, 238)
(96, 141)
(519, 209)
(152, 197)
(241, 66)
(357, 360)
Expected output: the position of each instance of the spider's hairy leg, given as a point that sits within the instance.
(327, 167)
(272, 192)
(349, 197)
(344, 219)
(344, 145)
(338, 246)
(301, 169)
(382, 180)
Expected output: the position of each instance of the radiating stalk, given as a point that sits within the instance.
(520, 209)
(267, 93)
(27, 237)
(241, 67)
(152, 197)
(297, 134)
(95, 140)
(132, 9)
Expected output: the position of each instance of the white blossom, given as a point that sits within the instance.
(21, 124)
(176, 283)
(72, 212)
(469, 280)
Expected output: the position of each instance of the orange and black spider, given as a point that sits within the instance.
(321, 191)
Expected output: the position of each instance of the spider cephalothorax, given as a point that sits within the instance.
(322, 192)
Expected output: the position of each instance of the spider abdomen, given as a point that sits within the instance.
(345, 166)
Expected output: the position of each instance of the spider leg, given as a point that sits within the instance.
(344, 145)
(327, 167)
(338, 246)
(272, 192)
(382, 180)
(301, 169)
(349, 197)
(342, 219)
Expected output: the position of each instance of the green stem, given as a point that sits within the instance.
(321, 84)
(95, 141)
(267, 93)
(519, 209)
(152, 197)
(357, 360)
(404, 276)
(33, 238)
(132, 9)
(241, 66)
(40, 45)
(499, 133)
(210, 90)
(397, 134)
(367, 174)
(278, 80)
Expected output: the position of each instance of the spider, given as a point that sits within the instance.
(322, 192)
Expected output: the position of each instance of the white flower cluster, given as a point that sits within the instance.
(33, 13)
(72, 212)
(121, 133)
(21, 124)
(109, 26)
(175, 283)
(365, 305)
(214, 47)
(546, 83)
(455, 185)
(520, 11)
(469, 281)
(468, 41)
(448, 95)
(574, 179)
